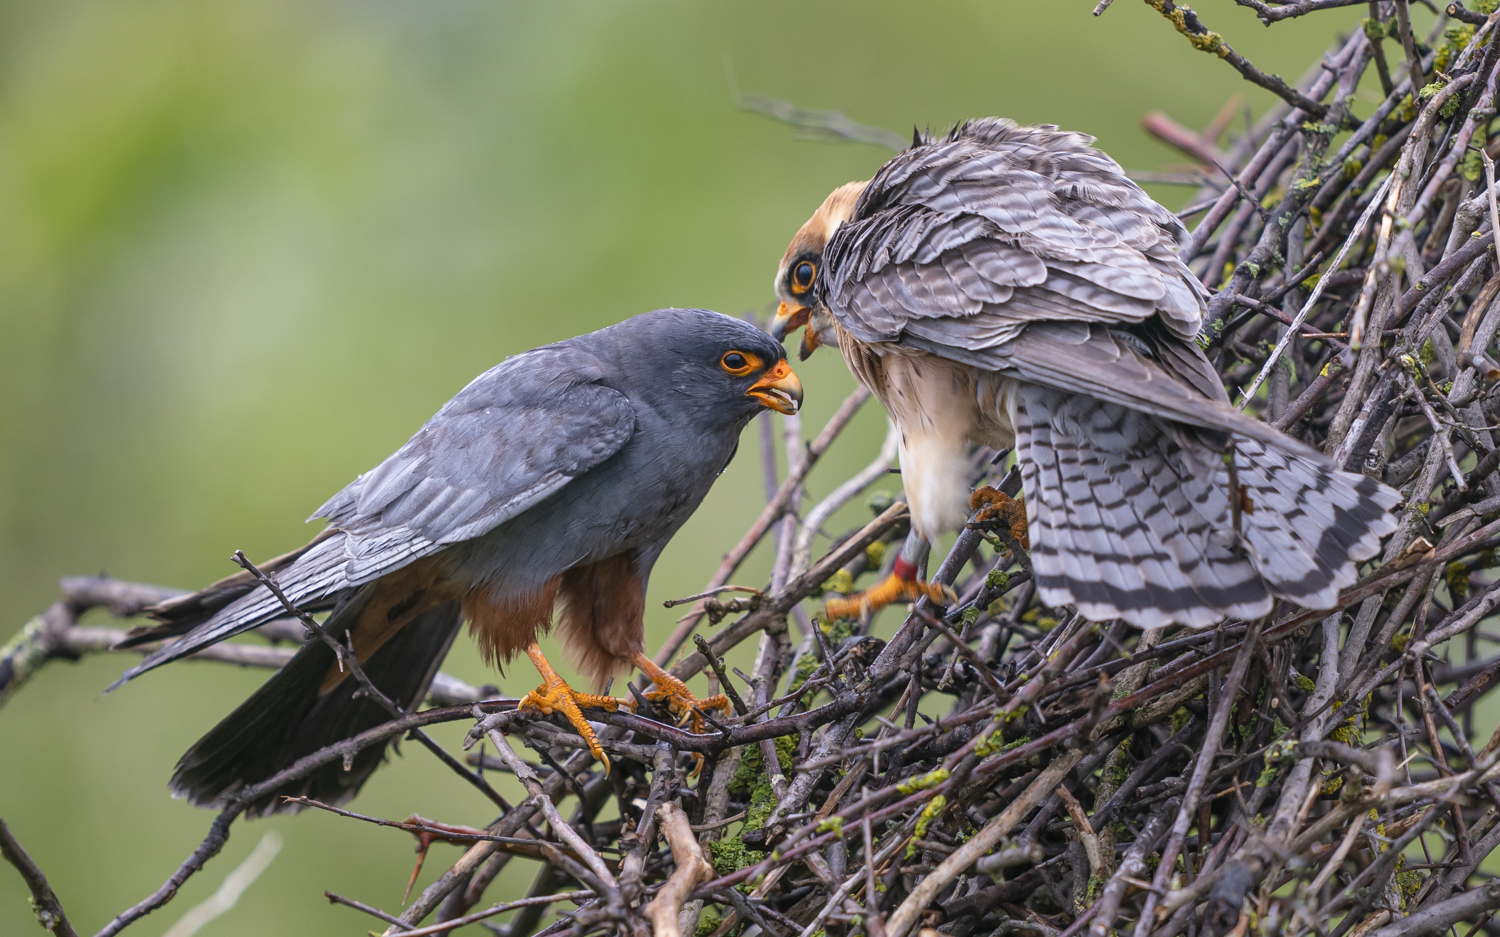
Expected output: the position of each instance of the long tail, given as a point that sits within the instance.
(181, 614)
(1130, 516)
(312, 577)
(297, 712)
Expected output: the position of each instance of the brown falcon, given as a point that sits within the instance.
(1009, 286)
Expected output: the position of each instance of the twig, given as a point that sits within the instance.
(235, 883)
(906, 916)
(1205, 40)
(822, 125)
(446, 926)
(44, 904)
(361, 906)
(1295, 325)
(725, 684)
(218, 834)
(692, 870)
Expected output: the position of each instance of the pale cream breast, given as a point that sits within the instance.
(932, 402)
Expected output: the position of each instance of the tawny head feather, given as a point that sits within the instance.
(799, 268)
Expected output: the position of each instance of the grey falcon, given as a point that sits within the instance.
(1009, 286)
(555, 478)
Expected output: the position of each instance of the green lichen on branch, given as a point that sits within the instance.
(929, 813)
(752, 767)
(1186, 22)
(708, 921)
(842, 582)
(731, 854)
(994, 743)
(23, 656)
(923, 782)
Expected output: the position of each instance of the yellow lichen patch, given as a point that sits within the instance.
(928, 814)
(1184, 20)
(923, 782)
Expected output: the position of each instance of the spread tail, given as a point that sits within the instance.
(1130, 516)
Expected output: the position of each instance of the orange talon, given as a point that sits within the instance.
(997, 505)
(679, 700)
(554, 695)
(893, 588)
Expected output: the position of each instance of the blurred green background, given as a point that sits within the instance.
(246, 249)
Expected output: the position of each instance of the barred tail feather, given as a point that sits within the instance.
(1130, 517)
(1123, 520)
(1307, 525)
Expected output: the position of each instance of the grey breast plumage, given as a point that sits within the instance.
(1025, 252)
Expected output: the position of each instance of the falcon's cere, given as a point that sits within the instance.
(1009, 286)
(555, 479)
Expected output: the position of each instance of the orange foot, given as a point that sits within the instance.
(894, 588)
(997, 505)
(678, 699)
(554, 695)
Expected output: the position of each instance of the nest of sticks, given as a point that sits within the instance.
(997, 767)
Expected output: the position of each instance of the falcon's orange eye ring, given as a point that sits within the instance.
(739, 363)
(802, 276)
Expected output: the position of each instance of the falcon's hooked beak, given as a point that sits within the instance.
(779, 389)
(788, 319)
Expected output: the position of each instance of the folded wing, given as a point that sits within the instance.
(515, 436)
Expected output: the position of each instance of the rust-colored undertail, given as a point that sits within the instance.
(601, 616)
(601, 619)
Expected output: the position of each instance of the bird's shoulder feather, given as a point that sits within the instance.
(517, 434)
(999, 225)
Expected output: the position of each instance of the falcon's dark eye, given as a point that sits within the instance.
(739, 362)
(802, 276)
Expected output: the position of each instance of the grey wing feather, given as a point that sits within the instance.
(1167, 379)
(961, 225)
(516, 435)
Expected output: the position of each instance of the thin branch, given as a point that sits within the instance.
(44, 904)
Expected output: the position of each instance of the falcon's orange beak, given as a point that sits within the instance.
(778, 389)
(788, 320)
(791, 318)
